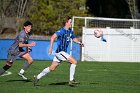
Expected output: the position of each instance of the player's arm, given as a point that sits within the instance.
(54, 36)
(78, 42)
(26, 45)
(21, 40)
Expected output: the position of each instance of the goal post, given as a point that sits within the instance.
(123, 39)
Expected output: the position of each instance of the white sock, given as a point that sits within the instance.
(72, 71)
(21, 71)
(43, 73)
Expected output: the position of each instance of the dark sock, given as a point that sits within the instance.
(5, 68)
(26, 66)
(2, 71)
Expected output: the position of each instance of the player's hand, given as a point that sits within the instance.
(29, 49)
(50, 51)
(32, 43)
(81, 44)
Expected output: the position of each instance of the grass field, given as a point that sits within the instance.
(94, 77)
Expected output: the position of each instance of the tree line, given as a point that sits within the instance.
(46, 15)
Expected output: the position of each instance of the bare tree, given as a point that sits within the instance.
(21, 8)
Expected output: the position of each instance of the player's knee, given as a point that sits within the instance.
(74, 62)
(52, 68)
(30, 60)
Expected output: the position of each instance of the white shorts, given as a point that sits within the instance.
(61, 56)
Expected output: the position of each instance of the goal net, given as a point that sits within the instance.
(120, 41)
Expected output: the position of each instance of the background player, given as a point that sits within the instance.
(64, 35)
(17, 49)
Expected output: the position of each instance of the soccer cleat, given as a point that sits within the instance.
(72, 82)
(35, 81)
(22, 75)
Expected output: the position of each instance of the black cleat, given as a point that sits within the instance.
(35, 81)
(72, 82)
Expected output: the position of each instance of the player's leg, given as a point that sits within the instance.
(52, 67)
(72, 67)
(27, 64)
(65, 56)
(72, 70)
(10, 59)
(45, 71)
(5, 67)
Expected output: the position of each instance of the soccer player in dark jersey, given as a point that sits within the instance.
(20, 48)
(64, 36)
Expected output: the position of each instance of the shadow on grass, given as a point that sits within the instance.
(18, 81)
(94, 83)
(59, 83)
(63, 83)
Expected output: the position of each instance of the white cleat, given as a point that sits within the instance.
(22, 76)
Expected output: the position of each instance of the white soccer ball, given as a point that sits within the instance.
(98, 33)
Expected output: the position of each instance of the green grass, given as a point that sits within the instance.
(94, 77)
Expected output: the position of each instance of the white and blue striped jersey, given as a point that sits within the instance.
(63, 39)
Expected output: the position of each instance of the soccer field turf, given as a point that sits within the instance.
(94, 77)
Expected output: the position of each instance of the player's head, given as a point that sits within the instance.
(27, 26)
(27, 23)
(67, 22)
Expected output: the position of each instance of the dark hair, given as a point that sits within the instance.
(27, 23)
(66, 20)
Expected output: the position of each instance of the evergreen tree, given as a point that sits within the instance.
(47, 15)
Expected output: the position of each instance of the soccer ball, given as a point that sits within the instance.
(98, 33)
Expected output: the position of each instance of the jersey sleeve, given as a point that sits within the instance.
(72, 35)
(58, 33)
(21, 37)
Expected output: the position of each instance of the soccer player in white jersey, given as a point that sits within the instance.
(17, 49)
(64, 36)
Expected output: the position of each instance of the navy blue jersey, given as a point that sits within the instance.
(63, 39)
